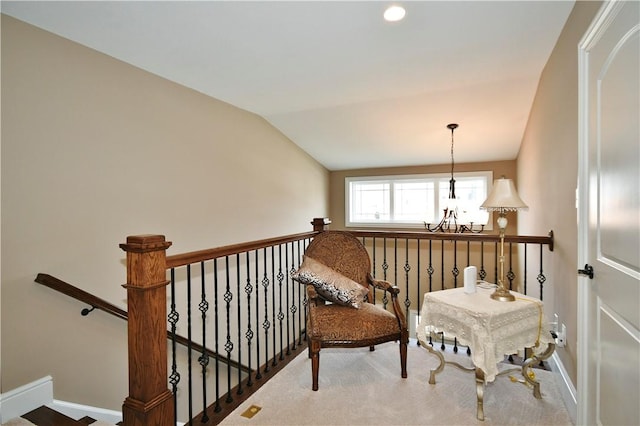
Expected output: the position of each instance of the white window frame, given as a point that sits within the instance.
(391, 179)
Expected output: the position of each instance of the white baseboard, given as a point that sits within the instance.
(26, 398)
(21, 400)
(565, 385)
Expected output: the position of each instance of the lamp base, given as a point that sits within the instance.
(503, 295)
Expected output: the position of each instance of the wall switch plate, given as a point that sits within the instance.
(561, 340)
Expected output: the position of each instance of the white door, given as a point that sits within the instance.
(609, 218)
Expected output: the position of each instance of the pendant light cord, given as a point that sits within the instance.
(452, 181)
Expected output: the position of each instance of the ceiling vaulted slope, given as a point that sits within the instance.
(349, 88)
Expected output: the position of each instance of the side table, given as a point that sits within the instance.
(490, 328)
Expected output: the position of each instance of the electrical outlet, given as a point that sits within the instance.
(561, 340)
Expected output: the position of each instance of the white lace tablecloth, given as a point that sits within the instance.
(491, 329)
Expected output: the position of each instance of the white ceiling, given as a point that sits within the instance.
(349, 88)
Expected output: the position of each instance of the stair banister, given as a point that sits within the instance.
(150, 402)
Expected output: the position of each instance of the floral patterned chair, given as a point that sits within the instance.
(339, 312)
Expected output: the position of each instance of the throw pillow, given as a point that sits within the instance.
(329, 283)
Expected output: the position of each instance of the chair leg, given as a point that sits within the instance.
(314, 351)
(403, 353)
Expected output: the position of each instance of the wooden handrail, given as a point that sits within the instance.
(97, 303)
(183, 259)
(548, 240)
(79, 294)
(218, 252)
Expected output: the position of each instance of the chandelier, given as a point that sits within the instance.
(449, 221)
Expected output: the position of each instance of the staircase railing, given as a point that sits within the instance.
(101, 304)
(244, 318)
(239, 300)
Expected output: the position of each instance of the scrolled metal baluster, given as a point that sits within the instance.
(430, 272)
(288, 287)
(248, 289)
(274, 361)
(541, 278)
(228, 346)
(266, 324)
(511, 276)
(239, 390)
(302, 300)
(203, 306)
(280, 277)
(455, 271)
(217, 407)
(482, 273)
(385, 266)
(189, 346)
(257, 261)
(173, 317)
(418, 283)
(407, 269)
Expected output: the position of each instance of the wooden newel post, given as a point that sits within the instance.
(321, 223)
(150, 402)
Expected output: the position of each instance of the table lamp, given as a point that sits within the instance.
(503, 198)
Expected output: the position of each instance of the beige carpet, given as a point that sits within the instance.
(358, 387)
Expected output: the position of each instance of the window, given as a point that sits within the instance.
(412, 200)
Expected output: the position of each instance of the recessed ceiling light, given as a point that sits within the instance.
(394, 13)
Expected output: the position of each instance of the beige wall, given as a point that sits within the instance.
(548, 169)
(94, 150)
(337, 187)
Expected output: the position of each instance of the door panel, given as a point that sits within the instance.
(609, 216)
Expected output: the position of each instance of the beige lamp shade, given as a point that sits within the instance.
(503, 197)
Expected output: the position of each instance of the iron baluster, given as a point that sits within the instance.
(257, 261)
(455, 271)
(240, 391)
(524, 281)
(280, 312)
(442, 264)
(288, 286)
(174, 377)
(302, 299)
(189, 345)
(266, 324)
(418, 285)
(430, 272)
(375, 274)
(274, 361)
(228, 346)
(482, 273)
(407, 268)
(541, 277)
(248, 289)
(204, 357)
(217, 408)
(511, 275)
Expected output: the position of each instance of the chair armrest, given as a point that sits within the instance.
(394, 291)
(384, 285)
(313, 297)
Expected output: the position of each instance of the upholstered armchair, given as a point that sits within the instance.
(349, 320)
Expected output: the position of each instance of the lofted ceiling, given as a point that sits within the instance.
(350, 89)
